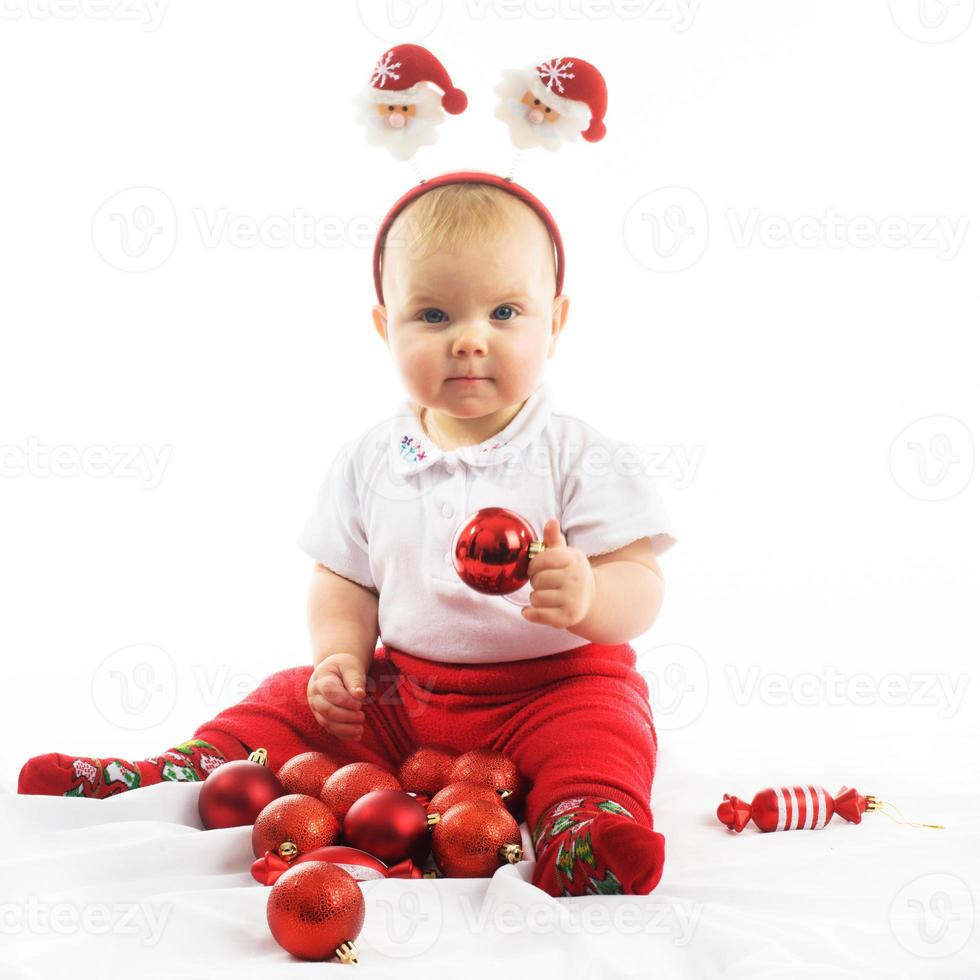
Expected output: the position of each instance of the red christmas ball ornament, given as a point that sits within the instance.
(360, 865)
(306, 773)
(316, 911)
(426, 770)
(493, 769)
(492, 549)
(349, 783)
(294, 824)
(391, 825)
(460, 793)
(237, 792)
(472, 840)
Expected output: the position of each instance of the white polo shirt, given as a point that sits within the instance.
(388, 508)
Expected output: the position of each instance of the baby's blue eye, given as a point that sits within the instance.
(425, 315)
(504, 307)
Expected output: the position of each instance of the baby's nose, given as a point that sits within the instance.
(396, 120)
(535, 116)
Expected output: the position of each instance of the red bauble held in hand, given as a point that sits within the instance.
(237, 792)
(492, 549)
(472, 840)
(315, 911)
(306, 773)
(391, 825)
(294, 824)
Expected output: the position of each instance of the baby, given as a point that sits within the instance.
(470, 309)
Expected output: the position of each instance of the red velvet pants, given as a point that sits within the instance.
(576, 723)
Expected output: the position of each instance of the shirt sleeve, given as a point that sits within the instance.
(610, 500)
(334, 533)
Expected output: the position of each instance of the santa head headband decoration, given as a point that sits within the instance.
(554, 102)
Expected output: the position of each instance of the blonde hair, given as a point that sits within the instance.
(454, 215)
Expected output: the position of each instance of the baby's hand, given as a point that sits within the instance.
(335, 692)
(562, 582)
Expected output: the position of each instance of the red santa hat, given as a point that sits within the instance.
(575, 88)
(401, 71)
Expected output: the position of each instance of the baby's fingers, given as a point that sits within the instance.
(332, 688)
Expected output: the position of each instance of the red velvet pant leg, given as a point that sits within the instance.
(276, 716)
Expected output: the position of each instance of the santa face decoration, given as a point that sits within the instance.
(552, 103)
(399, 107)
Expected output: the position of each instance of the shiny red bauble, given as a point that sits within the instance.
(426, 770)
(237, 792)
(351, 782)
(492, 549)
(460, 793)
(306, 773)
(294, 824)
(473, 839)
(391, 825)
(315, 911)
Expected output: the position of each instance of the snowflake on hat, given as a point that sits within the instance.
(552, 103)
(398, 106)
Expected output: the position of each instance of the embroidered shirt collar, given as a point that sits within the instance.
(413, 450)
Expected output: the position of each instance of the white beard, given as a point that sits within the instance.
(523, 133)
(419, 130)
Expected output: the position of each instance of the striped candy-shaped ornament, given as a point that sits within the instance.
(794, 808)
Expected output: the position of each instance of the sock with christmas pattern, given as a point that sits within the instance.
(589, 845)
(55, 774)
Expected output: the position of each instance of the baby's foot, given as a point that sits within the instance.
(592, 846)
(55, 774)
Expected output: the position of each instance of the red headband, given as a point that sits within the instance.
(476, 177)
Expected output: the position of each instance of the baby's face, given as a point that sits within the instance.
(488, 308)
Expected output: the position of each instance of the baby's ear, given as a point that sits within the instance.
(379, 314)
(559, 310)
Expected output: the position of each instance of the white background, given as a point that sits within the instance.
(819, 379)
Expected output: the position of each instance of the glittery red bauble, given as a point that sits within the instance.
(349, 783)
(389, 824)
(306, 773)
(426, 770)
(305, 821)
(493, 769)
(461, 792)
(315, 908)
(473, 839)
(236, 793)
(491, 550)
